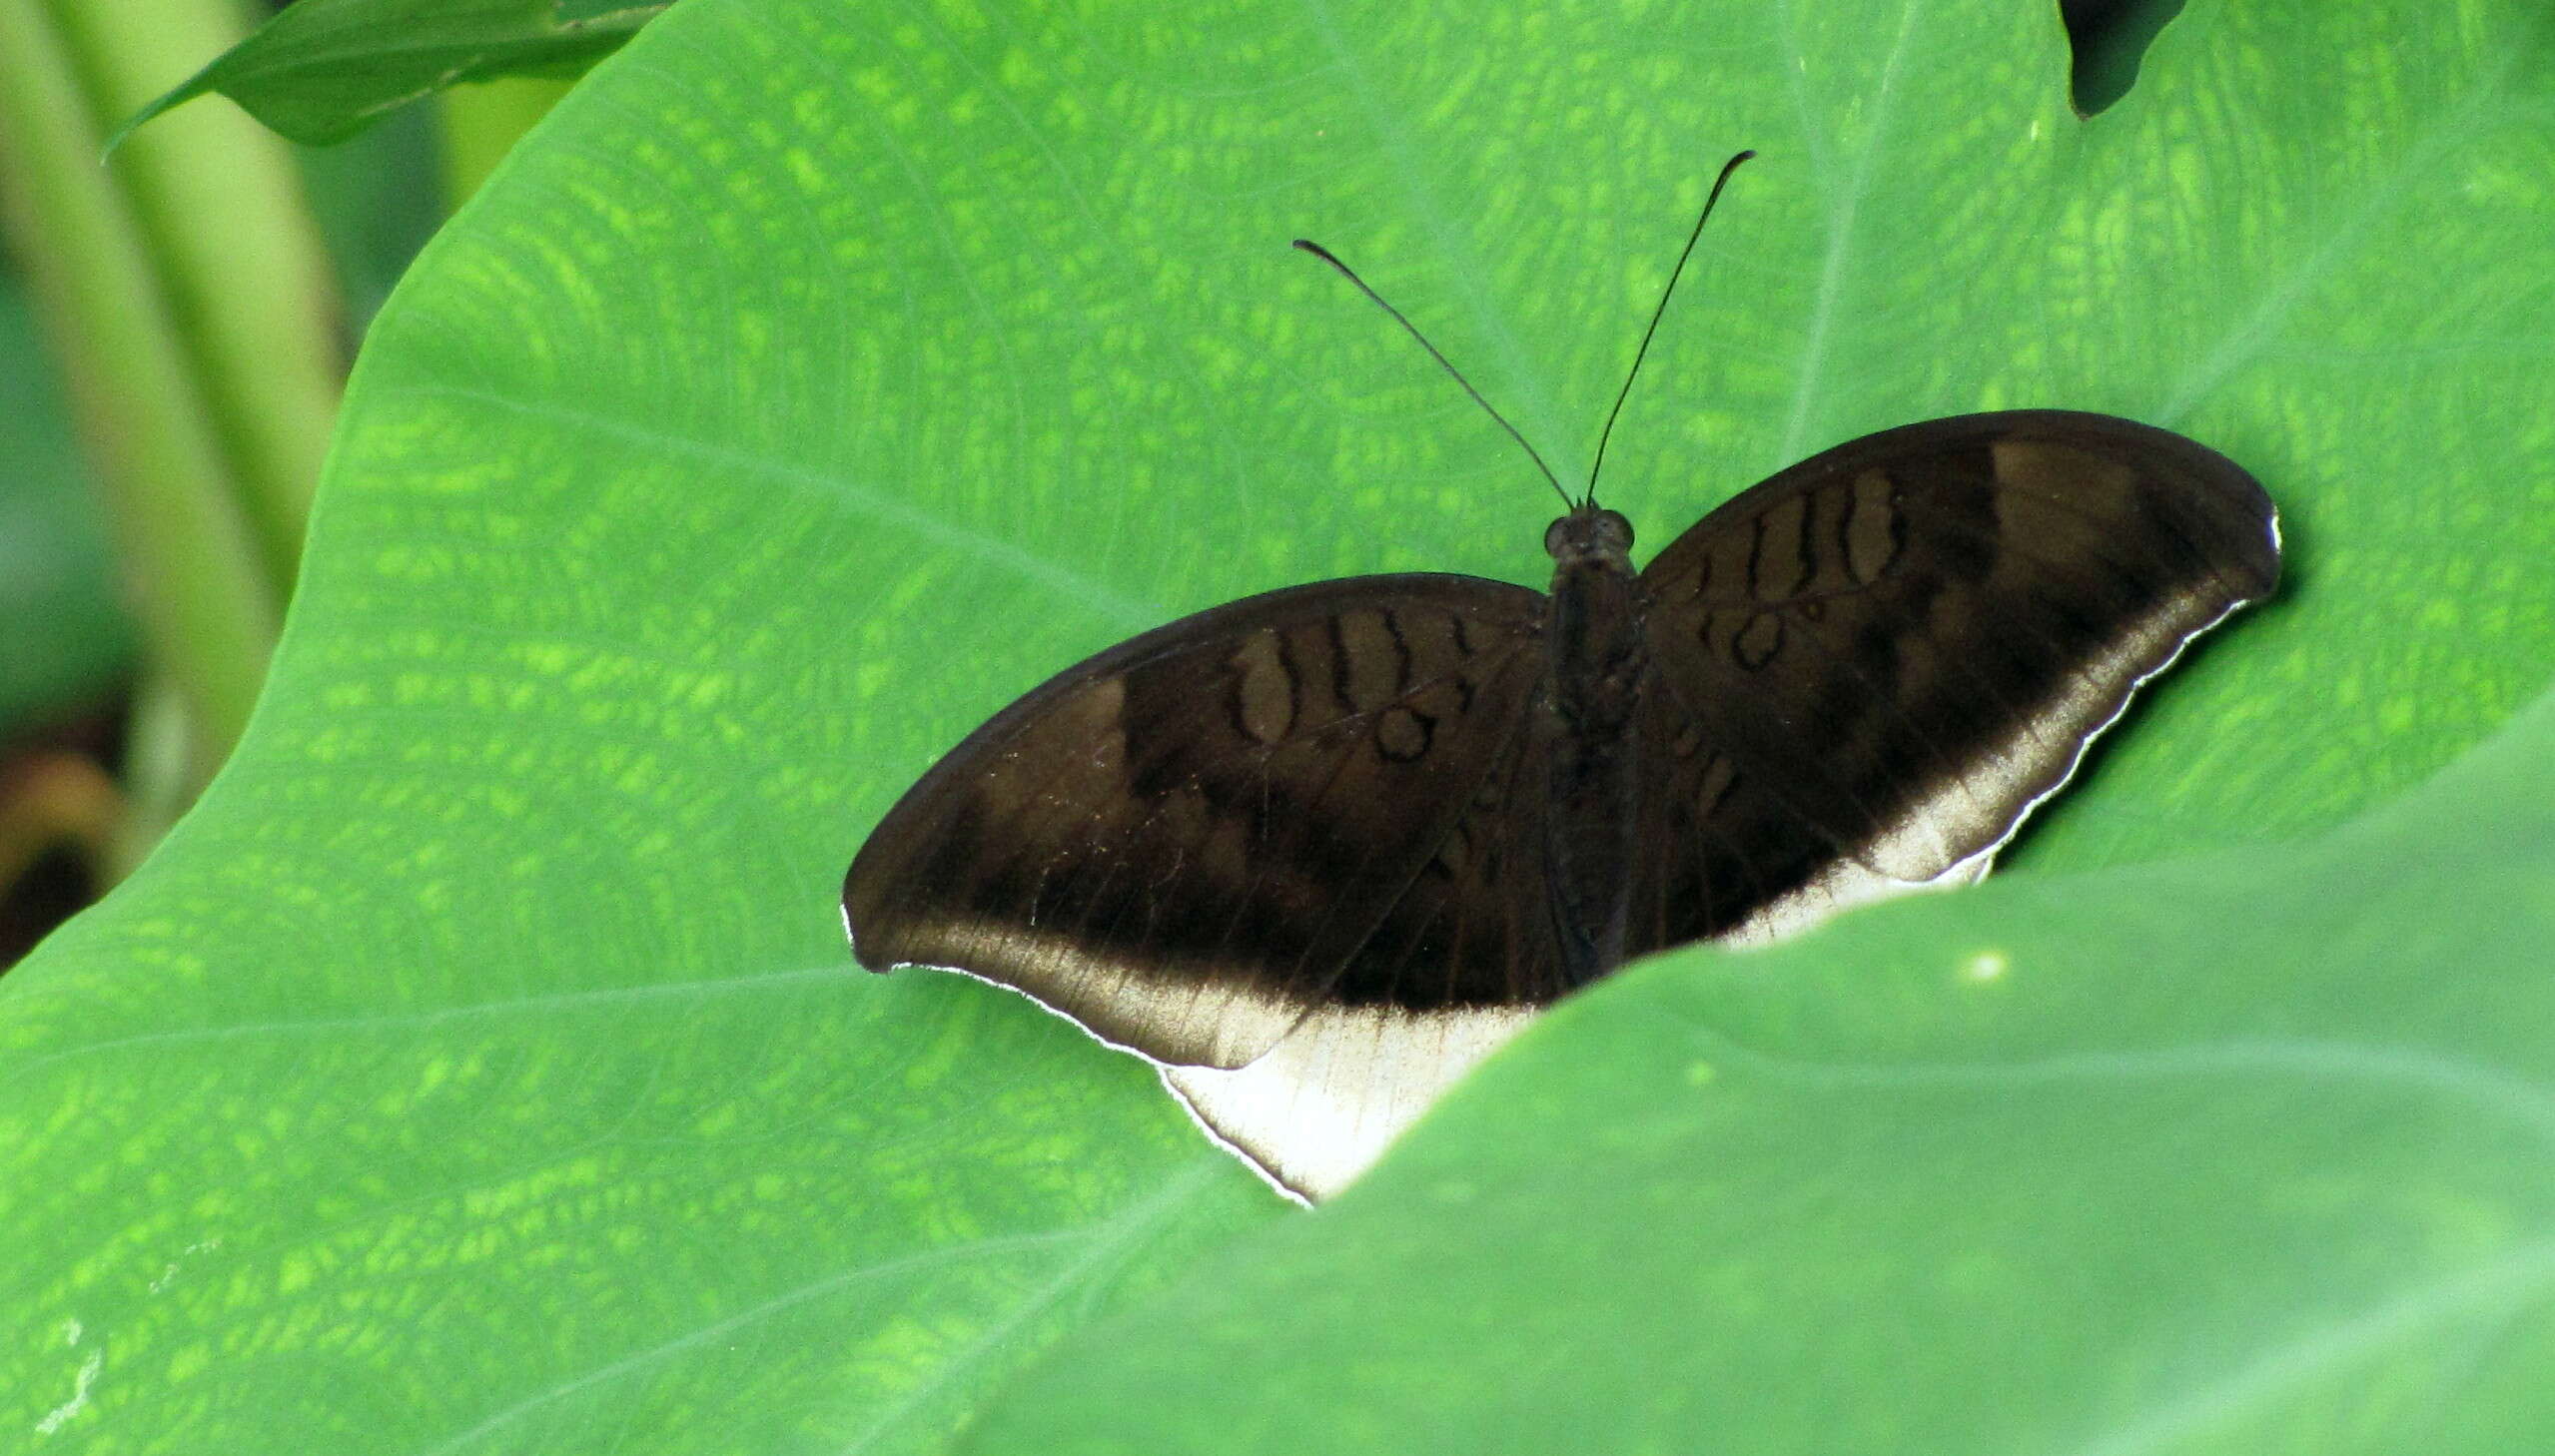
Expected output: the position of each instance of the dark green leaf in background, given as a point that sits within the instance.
(324, 70)
(62, 632)
(2109, 38)
(480, 1068)
(378, 196)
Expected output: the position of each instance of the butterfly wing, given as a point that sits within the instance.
(1459, 962)
(1874, 664)
(1189, 842)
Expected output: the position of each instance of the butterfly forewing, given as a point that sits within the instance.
(1901, 645)
(1188, 840)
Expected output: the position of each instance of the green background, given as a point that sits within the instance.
(481, 1068)
(66, 639)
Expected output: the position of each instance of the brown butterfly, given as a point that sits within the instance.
(1317, 851)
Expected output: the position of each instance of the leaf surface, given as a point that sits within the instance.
(480, 1068)
(2245, 1153)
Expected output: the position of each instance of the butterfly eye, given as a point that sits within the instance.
(1588, 532)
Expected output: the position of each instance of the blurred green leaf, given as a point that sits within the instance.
(63, 636)
(324, 70)
(2244, 1153)
(481, 1068)
(378, 196)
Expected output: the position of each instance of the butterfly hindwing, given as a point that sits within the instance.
(1188, 841)
(1723, 852)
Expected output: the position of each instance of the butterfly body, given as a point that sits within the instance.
(1596, 668)
(1316, 851)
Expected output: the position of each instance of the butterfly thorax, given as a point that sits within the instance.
(1596, 669)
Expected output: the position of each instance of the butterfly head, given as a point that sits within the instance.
(1590, 532)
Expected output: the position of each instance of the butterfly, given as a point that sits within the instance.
(1315, 852)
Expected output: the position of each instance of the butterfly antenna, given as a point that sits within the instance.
(1327, 256)
(1656, 314)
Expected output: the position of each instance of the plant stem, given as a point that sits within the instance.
(189, 327)
(237, 253)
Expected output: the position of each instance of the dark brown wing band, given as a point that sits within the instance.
(1186, 841)
(1890, 652)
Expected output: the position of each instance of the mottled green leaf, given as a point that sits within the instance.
(2244, 1155)
(480, 1068)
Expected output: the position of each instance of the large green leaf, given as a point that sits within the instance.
(2244, 1153)
(479, 1066)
